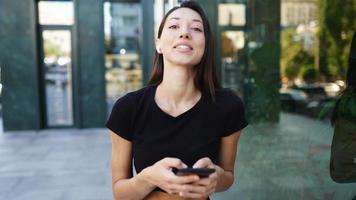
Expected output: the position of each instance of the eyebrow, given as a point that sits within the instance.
(178, 18)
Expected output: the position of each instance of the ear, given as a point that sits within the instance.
(158, 49)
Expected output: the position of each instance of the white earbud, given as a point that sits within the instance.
(158, 50)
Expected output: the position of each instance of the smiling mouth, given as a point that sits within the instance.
(183, 47)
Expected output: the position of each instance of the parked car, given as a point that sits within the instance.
(308, 100)
(313, 92)
(292, 100)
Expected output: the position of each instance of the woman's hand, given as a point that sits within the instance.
(160, 174)
(204, 187)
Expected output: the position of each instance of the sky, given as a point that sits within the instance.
(56, 13)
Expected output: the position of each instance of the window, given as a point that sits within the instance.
(122, 26)
(56, 20)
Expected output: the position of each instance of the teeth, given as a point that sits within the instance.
(182, 47)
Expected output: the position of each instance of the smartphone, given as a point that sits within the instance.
(201, 172)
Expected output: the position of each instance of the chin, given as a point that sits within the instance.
(187, 63)
(183, 60)
(179, 60)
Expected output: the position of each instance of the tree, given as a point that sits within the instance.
(337, 23)
(52, 49)
(294, 57)
(308, 74)
(290, 47)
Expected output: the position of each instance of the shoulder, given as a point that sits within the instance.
(121, 119)
(228, 98)
(232, 109)
(134, 97)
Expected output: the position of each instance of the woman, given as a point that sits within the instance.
(181, 119)
(343, 148)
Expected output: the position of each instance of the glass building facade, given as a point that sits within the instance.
(85, 55)
(63, 64)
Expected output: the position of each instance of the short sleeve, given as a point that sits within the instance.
(235, 117)
(120, 119)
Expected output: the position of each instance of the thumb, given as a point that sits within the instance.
(202, 163)
(174, 162)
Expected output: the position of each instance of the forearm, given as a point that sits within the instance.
(134, 188)
(225, 181)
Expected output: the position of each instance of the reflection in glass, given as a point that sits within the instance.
(232, 14)
(233, 43)
(58, 67)
(55, 12)
(122, 41)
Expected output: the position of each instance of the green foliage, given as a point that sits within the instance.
(265, 72)
(52, 50)
(337, 23)
(293, 57)
(308, 73)
(289, 50)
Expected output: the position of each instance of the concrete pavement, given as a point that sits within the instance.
(55, 165)
(284, 161)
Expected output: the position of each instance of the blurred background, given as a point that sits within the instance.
(64, 63)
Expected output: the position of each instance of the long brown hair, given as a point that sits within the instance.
(205, 78)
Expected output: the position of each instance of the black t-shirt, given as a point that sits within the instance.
(190, 136)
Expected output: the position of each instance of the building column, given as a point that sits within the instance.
(263, 75)
(148, 38)
(19, 66)
(90, 73)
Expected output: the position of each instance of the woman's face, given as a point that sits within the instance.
(182, 40)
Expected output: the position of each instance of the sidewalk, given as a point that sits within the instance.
(285, 161)
(55, 165)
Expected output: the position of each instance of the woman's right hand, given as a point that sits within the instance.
(161, 175)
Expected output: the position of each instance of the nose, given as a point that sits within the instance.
(185, 34)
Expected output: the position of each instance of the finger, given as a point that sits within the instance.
(195, 189)
(191, 195)
(213, 176)
(184, 179)
(203, 182)
(185, 188)
(194, 195)
(203, 163)
(172, 189)
(173, 162)
(202, 192)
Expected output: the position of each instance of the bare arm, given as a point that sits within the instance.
(124, 185)
(228, 151)
(131, 188)
(223, 178)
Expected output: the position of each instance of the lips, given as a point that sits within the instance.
(183, 46)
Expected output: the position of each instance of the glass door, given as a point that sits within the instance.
(232, 21)
(55, 29)
(57, 63)
(123, 38)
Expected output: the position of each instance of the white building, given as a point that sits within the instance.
(295, 12)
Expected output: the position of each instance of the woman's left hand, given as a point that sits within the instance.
(204, 186)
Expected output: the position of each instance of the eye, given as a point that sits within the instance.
(173, 27)
(197, 29)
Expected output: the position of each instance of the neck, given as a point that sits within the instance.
(178, 85)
